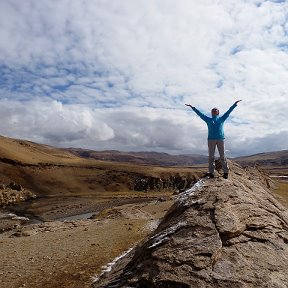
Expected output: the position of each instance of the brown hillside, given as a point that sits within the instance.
(46, 170)
(274, 162)
(32, 153)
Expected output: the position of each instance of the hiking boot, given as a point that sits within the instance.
(225, 175)
(210, 175)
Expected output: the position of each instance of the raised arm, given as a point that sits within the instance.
(227, 113)
(189, 105)
(200, 114)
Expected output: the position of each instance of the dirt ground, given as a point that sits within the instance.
(281, 191)
(71, 253)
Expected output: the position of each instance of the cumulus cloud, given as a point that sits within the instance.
(53, 123)
(116, 75)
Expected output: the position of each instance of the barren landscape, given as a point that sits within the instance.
(69, 216)
(70, 253)
(81, 215)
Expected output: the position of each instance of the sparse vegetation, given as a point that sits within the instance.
(281, 192)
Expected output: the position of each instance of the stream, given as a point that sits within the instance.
(62, 208)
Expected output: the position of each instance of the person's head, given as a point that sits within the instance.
(215, 112)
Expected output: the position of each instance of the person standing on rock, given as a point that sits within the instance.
(216, 136)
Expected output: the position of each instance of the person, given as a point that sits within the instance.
(216, 137)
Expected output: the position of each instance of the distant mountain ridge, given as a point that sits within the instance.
(33, 153)
(144, 158)
(276, 158)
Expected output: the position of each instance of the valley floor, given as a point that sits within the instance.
(70, 253)
(281, 191)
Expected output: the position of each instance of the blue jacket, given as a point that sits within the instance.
(215, 123)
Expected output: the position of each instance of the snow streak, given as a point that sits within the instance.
(188, 193)
(108, 267)
(161, 237)
(182, 199)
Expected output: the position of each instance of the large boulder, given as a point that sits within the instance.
(220, 233)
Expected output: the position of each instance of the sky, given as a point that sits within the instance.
(110, 74)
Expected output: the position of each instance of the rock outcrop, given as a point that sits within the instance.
(219, 233)
(14, 193)
(170, 183)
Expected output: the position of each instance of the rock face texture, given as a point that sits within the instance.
(173, 182)
(219, 233)
(14, 193)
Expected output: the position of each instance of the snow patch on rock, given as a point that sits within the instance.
(109, 266)
(181, 198)
(161, 237)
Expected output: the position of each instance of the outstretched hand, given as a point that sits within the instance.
(189, 105)
(237, 102)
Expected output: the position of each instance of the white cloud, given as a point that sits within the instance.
(53, 123)
(116, 75)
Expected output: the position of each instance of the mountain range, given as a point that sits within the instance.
(142, 158)
(30, 152)
(267, 159)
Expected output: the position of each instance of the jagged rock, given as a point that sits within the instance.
(220, 233)
(172, 183)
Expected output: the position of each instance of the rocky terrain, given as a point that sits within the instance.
(68, 253)
(14, 193)
(220, 233)
(87, 212)
(83, 208)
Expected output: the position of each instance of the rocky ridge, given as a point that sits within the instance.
(219, 233)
